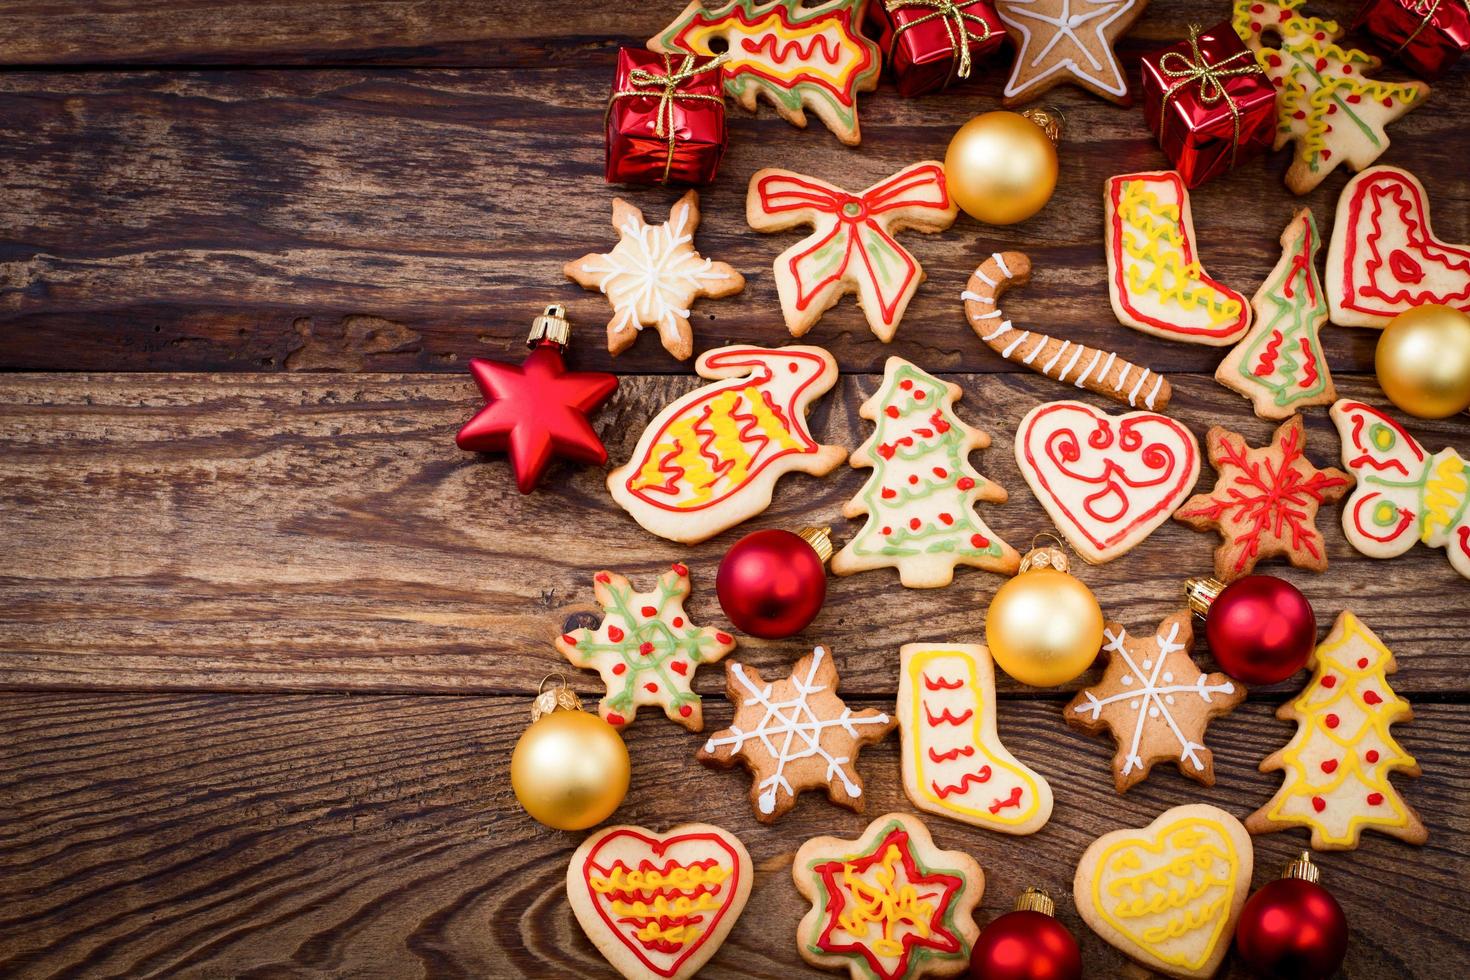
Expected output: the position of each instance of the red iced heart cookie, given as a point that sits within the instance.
(1106, 480)
(1384, 258)
(659, 905)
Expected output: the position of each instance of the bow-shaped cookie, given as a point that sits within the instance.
(852, 247)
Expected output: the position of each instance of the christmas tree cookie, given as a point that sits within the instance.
(1324, 98)
(1338, 763)
(920, 498)
(1279, 365)
(645, 648)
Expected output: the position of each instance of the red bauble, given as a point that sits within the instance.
(1025, 945)
(538, 409)
(772, 583)
(1292, 928)
(1261, 629)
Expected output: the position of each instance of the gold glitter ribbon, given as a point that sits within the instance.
(1210, 77)
(1430, 10)
(665, 87)
(953, 15)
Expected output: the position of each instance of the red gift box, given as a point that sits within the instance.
(1426, 36)
(1209, 103)
(666, 119)
(931, 43)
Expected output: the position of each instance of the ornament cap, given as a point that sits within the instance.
(1201, 592)
(551, 327)
(820, 538)
(1036, 900)
(1050, 556)
(1050, 119)
(559, 698)
(1302, 868)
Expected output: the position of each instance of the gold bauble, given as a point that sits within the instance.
(1044, 627)
(1423, 361)
(1001, 167)
(570, 768)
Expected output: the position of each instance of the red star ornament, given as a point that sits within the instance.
(538, 409)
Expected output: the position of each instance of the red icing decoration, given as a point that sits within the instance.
(1330, 766)
(1332, 721)
(615, 634)
(981, 775)
(1375, 799)
(1371, 755)
(1319, 804)
(1371, 697)
(679, 667)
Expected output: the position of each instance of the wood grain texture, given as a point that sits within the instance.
(207, 836)
(313, 532)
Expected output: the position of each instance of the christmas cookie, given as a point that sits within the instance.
(1404, 493)
(1106, 480)
(953, 762)
(1168, 895)
(797, 55)
(889, 905)
(658, 906)
(1265, 501)
(1155, 279)
(851, 247)
(1061, 360)
(921, 498)
(1324, 98)
(652, 276)
(1384, 258)
(645, 649)
(711, 458)
(794, 734)
(1155, 702)
(1338, 763)
(1279, 365)
(1067, 41)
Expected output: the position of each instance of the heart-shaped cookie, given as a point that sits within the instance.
(1106, 480)
(659, 905)
(1384, 258)
(1168, 895)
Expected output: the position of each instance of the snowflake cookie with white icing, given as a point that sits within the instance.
(653, 275)
(1156, 703)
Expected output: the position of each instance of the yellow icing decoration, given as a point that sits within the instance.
(883, 903)
(1153, 238)
(678, 877)
(1444, 495)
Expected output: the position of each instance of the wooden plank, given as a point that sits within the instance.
(361, 220)
(236, 835)
(315, 532)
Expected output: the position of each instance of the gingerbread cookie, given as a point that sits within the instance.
(1155, 702)
(921, 498)
(1067, 41)
(1404, 493)
(851, 247)
(1325, 100)
(1338, 763)
(652, 276)
(793, 735)
(1384, 258)
(1265, 501)
(658, 906)
(1107, 481)
(1061, 360)
(645, 649)
(1168, 895)
(1155, 279)
(711, 458)
(1279, 365)
(953, 762)
(889, 905)
(797, 55)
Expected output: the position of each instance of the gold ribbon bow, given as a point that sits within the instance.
(1210, 77)
(1429, 9)
(665, 87)
(954, 17)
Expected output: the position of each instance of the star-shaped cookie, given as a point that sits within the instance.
(1156, 703)
(646, 649)
(1067, 41)
(1265, 501)
(652, 276)
(795, 734)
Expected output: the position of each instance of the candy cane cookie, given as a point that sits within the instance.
(1061, 360)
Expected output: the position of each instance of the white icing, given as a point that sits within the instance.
(1001, 262)
(1071, 364)
(1096, 356)
(1154, 391)
(1046, 368)
(1005, 325)
(1107, 77)
(1015, 343)
(976, 297)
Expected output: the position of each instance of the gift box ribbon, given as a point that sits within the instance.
(1429, 8)
(956, 20)
(665, 87)
(1210, 77)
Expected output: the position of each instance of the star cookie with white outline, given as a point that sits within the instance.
(1067, 41)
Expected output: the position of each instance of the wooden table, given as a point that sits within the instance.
(267, 638)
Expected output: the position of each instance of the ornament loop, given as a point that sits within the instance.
(550, 327)
(1051, 120)
(559, 698)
